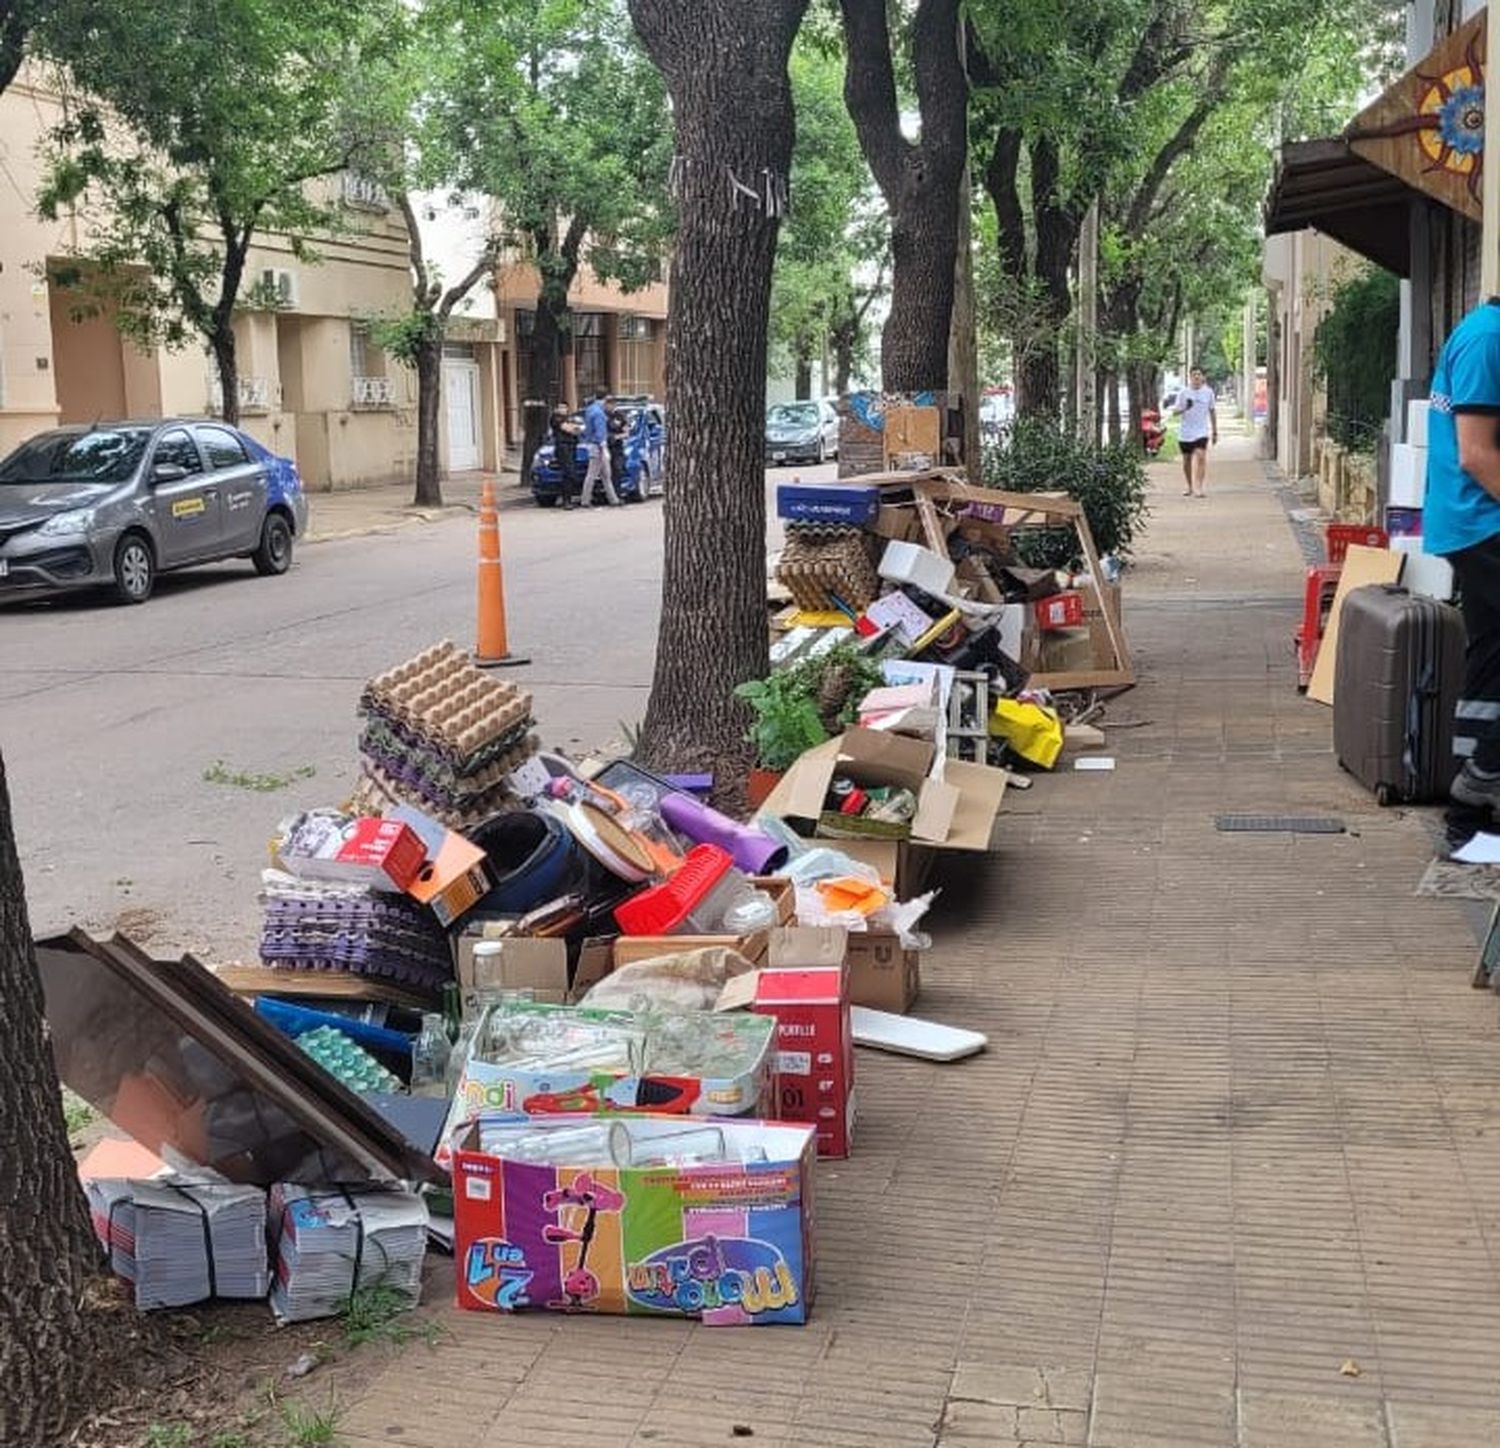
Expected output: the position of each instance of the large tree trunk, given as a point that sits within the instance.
(842, 341)
(227, 364)
(550, 337)
(50, 1337)
(429, 493)
(725, 65)
(920, 181)
(963, 332)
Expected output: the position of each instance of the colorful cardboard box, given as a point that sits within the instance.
(729, 1243)
(379, 854)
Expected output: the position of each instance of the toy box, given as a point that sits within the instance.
(728, 1242)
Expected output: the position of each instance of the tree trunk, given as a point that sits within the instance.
(548, 338)
(725, 66)
(1039, 381)
(227, 364)
(842, 343)
(429, 493)
(920, 180)
(50, 1334)
(1112, 404)
(804, 372)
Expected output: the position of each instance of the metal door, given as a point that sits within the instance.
(242, 485)
(188, 509)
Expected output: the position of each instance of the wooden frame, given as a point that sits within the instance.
(1035, 510)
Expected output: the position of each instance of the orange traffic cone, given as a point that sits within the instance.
(491, 650)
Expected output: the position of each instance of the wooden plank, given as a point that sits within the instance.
(1046, 505)
(1111, 625)
(1083, 679)
(1361, 566)
(335, 984)
(932, 526)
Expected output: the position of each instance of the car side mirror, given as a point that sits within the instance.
(168, 473)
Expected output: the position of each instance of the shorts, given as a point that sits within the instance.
(1192, 446)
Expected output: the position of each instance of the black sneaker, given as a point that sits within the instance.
(1478, 789)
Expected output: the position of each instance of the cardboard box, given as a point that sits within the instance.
(1060, 610)
(455, 877)
(376, 853)
(921, 567)
(905, 867)
(805, 990)
(630, 948)
(883, 975)
(530, 963)
(846, 503)
(954, 813)
(730, 1244)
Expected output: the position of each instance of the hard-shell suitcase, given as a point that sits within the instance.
(1397, 676)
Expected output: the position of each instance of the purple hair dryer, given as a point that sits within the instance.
(753, 852)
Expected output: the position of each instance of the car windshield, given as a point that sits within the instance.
(105, 455)
(793, 415)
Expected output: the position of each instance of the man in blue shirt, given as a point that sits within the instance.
(1461, 521)
(596, 435)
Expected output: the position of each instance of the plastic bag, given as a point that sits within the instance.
(690, 980)
(1035, 733)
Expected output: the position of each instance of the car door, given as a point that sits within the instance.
(185, 501)
(243, 485)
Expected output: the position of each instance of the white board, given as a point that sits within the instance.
(884, 1031)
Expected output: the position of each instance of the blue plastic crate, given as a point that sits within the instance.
(847, 503)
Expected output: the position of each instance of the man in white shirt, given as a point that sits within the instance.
(1200, 424)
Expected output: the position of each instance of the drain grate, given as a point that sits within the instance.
(1278, 825)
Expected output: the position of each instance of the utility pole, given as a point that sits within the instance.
(1088, 326)
(1247, 365)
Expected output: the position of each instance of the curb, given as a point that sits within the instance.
(411, 518)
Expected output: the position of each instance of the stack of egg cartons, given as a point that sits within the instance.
(1423, 572)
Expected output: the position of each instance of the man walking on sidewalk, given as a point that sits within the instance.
(1200, 421)
(1461, 521)
(596, 435)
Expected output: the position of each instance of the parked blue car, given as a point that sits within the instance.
(645, 448)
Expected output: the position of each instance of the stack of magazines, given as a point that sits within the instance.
(183, 1242)
(332, 1243)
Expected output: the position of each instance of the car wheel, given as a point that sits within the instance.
(274, 556)
(135, 569)
(545, 500)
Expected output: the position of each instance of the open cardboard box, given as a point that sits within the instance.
(532, 963)
(954, 813)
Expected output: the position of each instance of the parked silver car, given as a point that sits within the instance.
(113, 505)
(801, 432)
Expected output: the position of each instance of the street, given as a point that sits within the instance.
(112, 716)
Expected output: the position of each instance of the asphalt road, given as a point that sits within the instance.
(111, 718)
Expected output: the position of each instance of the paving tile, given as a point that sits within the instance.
(1023, 1386)
(1275, 1420)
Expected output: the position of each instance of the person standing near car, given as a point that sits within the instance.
(565, 452)
(596, 435)
(1200, 424)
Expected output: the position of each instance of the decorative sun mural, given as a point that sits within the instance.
(1440, 104)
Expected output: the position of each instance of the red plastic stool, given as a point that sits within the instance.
(1317, 600)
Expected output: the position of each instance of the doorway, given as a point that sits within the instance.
(461, 391)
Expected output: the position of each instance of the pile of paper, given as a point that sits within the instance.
(183, 1242)
(332, 1243)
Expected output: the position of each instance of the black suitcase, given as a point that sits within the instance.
(1396, 679)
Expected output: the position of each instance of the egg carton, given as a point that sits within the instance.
(459, 819)
(475, 771)
(442, 695)
(814, 571)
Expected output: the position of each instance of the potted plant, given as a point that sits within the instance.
(801, 707)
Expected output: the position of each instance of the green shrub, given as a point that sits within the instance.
(800, 707)
(1354, 355)
(1110, 483)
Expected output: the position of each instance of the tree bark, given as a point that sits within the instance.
(50, 1337)
(429, 489)
(920, 180)
(551, 338)
(803, 383)
(963, 335)
(227, 364)
(725, 66)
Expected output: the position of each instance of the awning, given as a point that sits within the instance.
(1323, 184)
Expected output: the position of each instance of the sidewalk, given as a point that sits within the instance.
(1225, 1177)
(354, 512)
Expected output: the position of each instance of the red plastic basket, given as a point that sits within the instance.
(1341, 535)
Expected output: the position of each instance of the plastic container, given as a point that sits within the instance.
(911, 563)
(1341, 535)
(692, 902)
